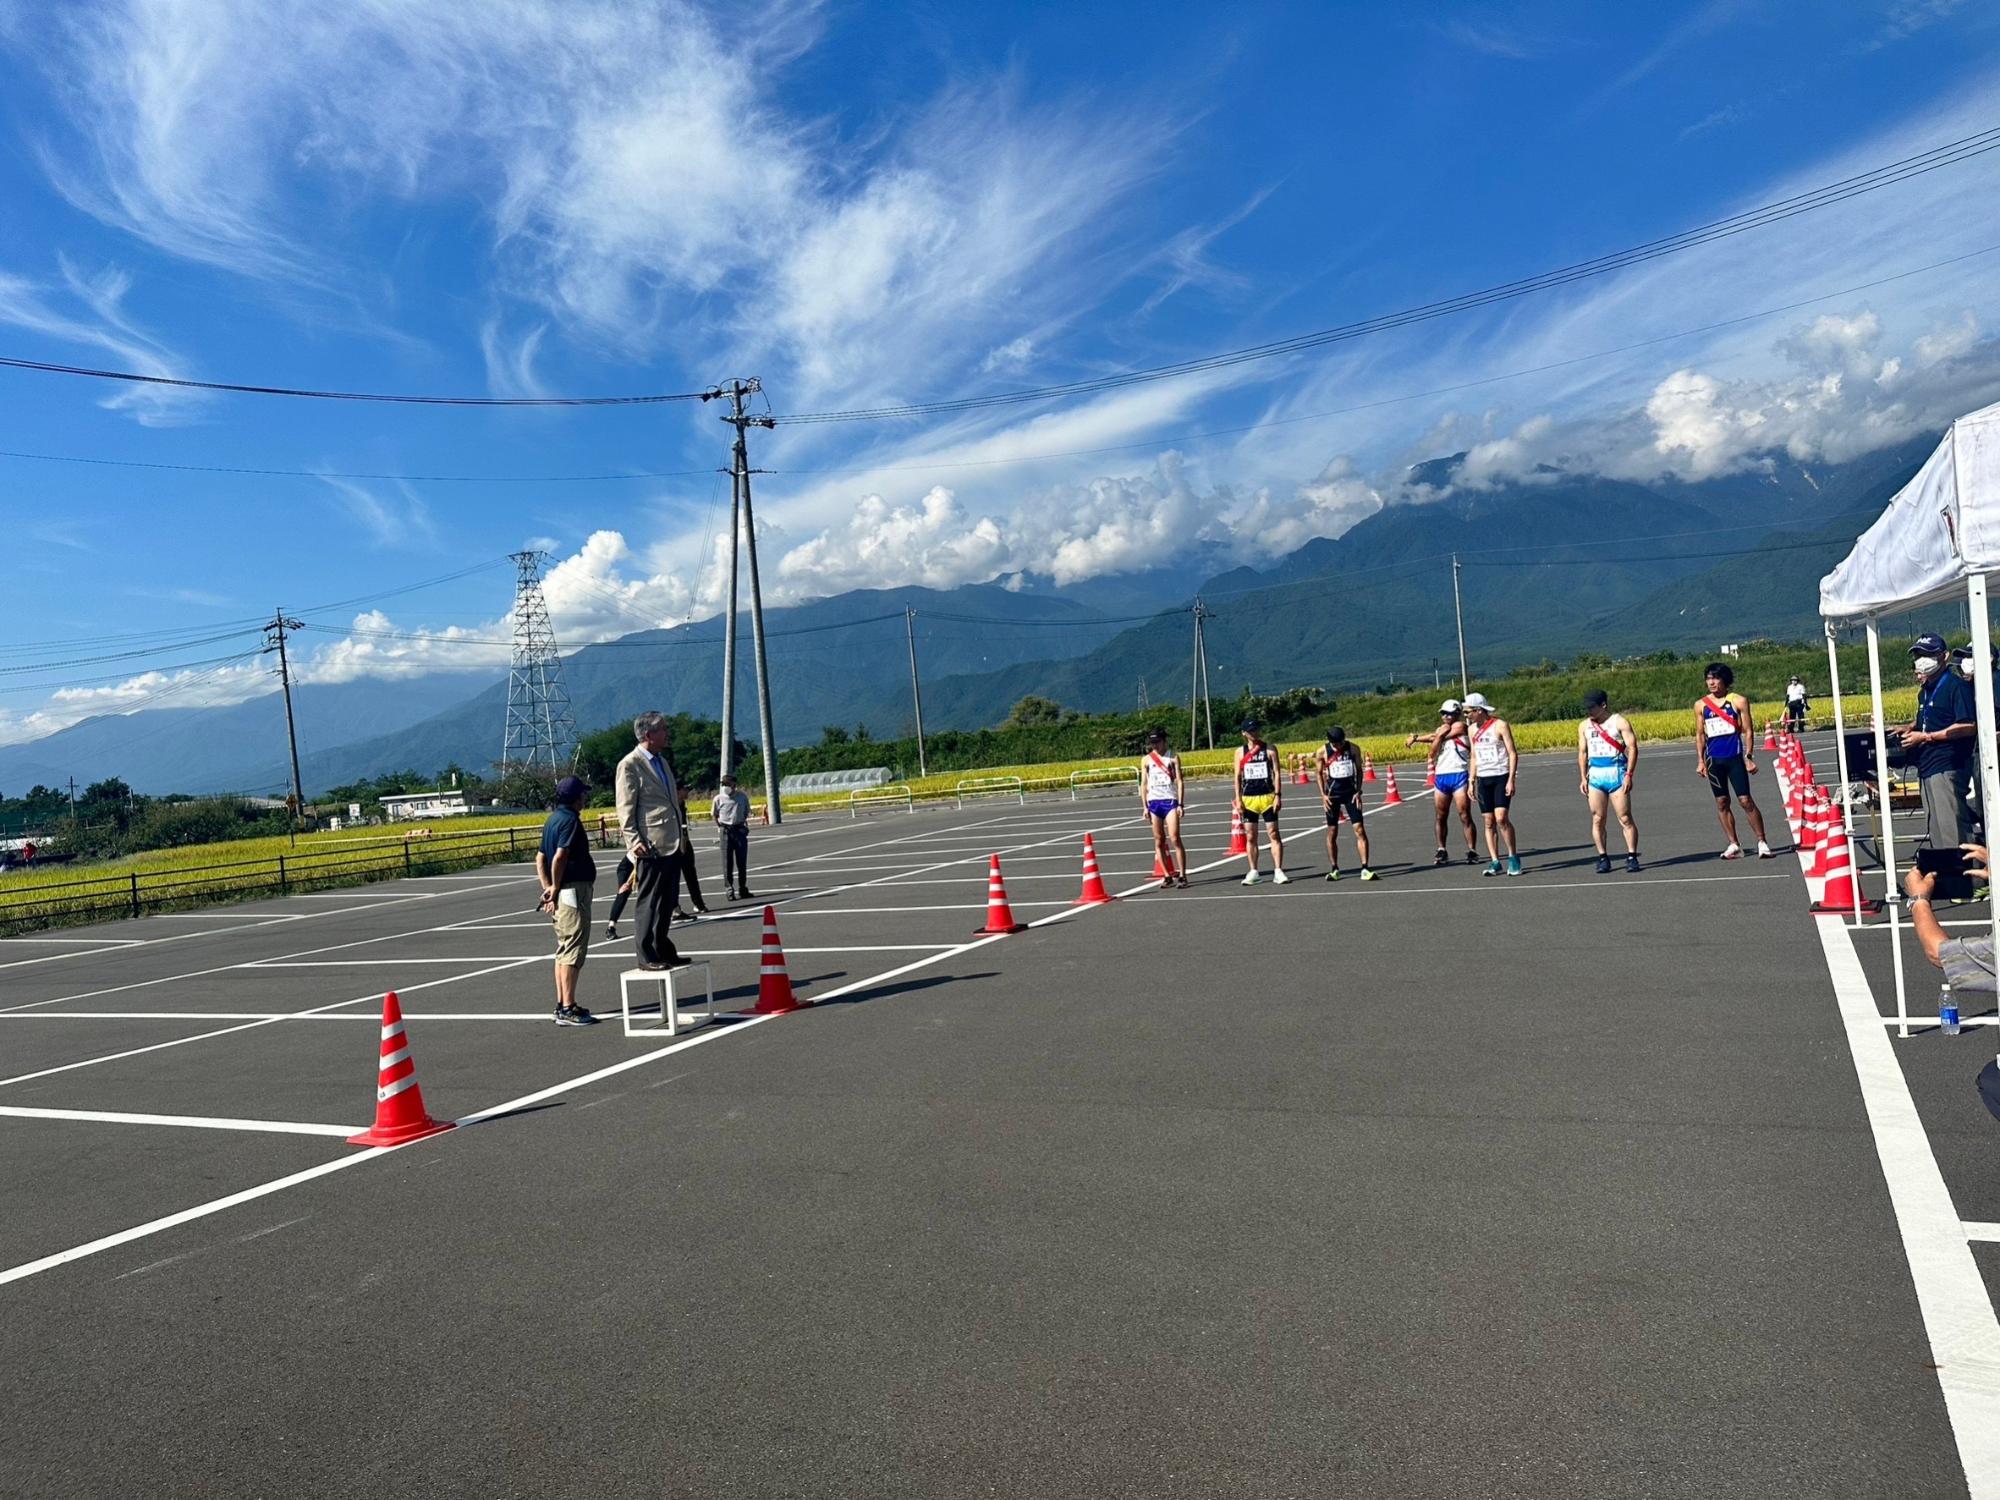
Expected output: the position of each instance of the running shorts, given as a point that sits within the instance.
(1264, 808)
(1726, 776)
(1159, 807)
(1450, 782)
(1339, 802)
(1607, 773)
(1493, 793)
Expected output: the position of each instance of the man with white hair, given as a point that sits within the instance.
(649, 820)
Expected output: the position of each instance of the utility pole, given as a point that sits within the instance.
(1458, 608)
(1436, 680)
(1198, 686)
(741, 421)
(729, 619)
(275, 632)
(72, 805)
(916, 688)
(1143, 704)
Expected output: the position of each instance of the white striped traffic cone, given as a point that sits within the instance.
(774, 981)
(399, 1104)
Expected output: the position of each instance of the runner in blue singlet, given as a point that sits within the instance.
(1448, 778)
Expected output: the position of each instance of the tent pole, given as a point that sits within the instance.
(1840, 749)
(1882, 779)
(1982, 694)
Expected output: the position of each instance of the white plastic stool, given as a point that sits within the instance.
(670, 1015)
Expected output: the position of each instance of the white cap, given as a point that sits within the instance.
(1478, 701)
(1449, 706)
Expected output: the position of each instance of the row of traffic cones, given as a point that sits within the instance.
(1818, 831)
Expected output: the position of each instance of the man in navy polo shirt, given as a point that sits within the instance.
(567, 873)
(1942, 737)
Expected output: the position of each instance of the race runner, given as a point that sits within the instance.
(1607, 754)
(1260, 793)
(1448, 778)
(1161, 794)
(1723, 730)
(1494, 763)
(1340, 792)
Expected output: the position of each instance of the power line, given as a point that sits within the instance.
(132, 377)
(135, 463)
(1949, 154)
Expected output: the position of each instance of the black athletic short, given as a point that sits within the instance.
(1492, 794)
(1726, 776)
(1347, 799)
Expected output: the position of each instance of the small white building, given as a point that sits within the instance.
(401, 805)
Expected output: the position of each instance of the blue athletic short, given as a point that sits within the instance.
(1607, 773)
(1160, 807)
(1449, 782)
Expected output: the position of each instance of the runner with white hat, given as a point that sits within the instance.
(1494, 762)
(1448, 777)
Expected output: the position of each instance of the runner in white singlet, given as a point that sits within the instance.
(1162, 794)
(1494, 762)
(1607, 757)
(1448, 778)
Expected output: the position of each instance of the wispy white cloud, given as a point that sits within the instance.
(1494, 39)
(87, 308)
(401, 520)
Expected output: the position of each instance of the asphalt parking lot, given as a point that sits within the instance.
(1442, 1185)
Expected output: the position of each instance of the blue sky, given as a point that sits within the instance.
(884, 203)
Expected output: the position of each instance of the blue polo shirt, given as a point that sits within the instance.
(564, 830)
(1942, 702)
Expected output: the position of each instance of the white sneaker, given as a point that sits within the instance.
(1734, 851)
(1252, 878)
(1764, 850)
(1279, 877)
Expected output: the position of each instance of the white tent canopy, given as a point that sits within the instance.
(1942, 527)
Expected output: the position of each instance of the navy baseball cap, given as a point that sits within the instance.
(571, 786)
(1251, 726)
(1928, 645)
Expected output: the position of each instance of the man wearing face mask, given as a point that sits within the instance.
(1941, 737)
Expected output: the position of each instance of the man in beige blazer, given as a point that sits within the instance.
(649, 820)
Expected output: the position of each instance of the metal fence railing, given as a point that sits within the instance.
(133, 893)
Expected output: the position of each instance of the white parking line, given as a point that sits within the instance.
(194, 1122)
(1957, 1310)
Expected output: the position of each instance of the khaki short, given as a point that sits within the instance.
(573, 927)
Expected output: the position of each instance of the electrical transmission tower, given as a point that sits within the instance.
(540, 726)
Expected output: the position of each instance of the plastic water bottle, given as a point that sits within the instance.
(1947, 1010)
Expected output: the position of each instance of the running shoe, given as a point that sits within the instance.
(1631, 864)
(611, 929)
(1604, 864)
(578, 1016)
(1279, 877)
(1181, 881)
(1252, 878)
(1493, 869)
(1472, 856)
(1513, 864)
(1368, 874)
(1442, 859)
(1764, 850)
(1734, 851)
(1333, 874)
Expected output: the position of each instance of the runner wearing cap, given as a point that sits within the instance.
(1723, 731)
(1446, 765)
(1340, 792)
(1494, 763)
(1607, 754)
(1161, 794)
(1260, 793)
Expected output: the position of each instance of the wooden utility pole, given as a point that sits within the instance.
(275, 632)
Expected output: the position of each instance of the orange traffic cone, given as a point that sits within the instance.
(399, 1103)
(1840, 894)
(1770, 737)
(1810, 828)
(1237, 843)
(774, 980)
(1368, 762)
(1391, 797)
(999, 915)
(1094, 893)
(1160, 870)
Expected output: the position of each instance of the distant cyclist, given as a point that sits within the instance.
(1163, 794)
(1723, 729)
(1607, 754)
(1795, 706)
(1448, 778)
(1260, 793)
(1495, 762)
(1340, 792)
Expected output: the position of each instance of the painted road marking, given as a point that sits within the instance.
(194, 1122)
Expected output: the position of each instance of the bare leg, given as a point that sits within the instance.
(1277, 849)
(566, 977)
(1442, 804)
(1333, 843)
(1726, 818)
(1621, 801)
(1756, 818)
(1361, 843)
(1600, 809)
(1180, 848)
(1503, 821)
(1464, 801)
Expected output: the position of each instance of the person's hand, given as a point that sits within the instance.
(1976, 858)
(1510, 786)
(1583, 788)
(1750, 765)
(1918, 884)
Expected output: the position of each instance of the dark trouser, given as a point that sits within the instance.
(1947, 813)
(658, 891)
(735, 857)
(687, 872)
(619, 895)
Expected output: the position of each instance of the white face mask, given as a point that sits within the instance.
(1963, 668)
(1925, 665)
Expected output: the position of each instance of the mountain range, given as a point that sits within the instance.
(1548, 566)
